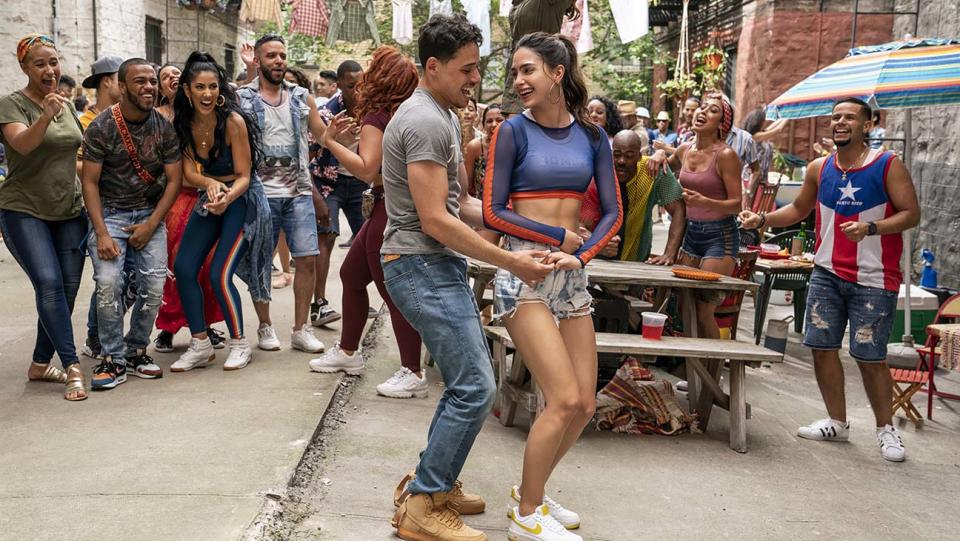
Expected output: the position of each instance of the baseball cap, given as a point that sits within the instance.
(103, 66)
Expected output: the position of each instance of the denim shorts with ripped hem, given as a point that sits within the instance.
(712, 240)
(563, 292)
(833, 301)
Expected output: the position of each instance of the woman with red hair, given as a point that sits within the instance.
(389, 80)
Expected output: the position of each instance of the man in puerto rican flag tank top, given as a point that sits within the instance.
(864, 199)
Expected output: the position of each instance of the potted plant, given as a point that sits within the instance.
(710, 57)
(679, 87)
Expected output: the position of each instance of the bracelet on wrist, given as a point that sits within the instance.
(763, 220)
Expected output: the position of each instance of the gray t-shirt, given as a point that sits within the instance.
(420, 130)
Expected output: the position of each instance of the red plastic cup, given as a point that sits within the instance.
(652, 328)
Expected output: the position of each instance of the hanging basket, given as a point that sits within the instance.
(712, 62)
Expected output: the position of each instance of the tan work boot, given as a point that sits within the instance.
(429, 517)
(466, 504)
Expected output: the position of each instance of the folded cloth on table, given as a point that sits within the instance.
(950, 354)
(633, 403)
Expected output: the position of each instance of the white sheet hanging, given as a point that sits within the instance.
(402, 21)
(441, 7)
(478, 12)
(632, 18)
(505, 6)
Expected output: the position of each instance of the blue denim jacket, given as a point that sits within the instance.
(252, 103)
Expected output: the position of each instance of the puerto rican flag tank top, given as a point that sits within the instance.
(860, 195)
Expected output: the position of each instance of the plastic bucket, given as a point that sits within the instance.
(776, 338)
(653, 323)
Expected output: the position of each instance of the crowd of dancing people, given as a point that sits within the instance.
(176, 179)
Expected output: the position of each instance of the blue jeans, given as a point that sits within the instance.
(832, 301)
(49, 252)
(150, 268)
(432, 292)
(712, 240)
(298, 219)
(347, 195)
(129, 297)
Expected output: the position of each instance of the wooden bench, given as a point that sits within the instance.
(513, 394)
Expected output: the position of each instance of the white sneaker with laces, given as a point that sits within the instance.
(540, 526)
(304, 340)
(267, 338)
(404, 384)
(891, 446)
(825, 430)
(564, 516)
(198, 354)
(336, 360)
(240, 354)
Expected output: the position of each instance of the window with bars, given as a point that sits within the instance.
(730, 75)
(229, 60)
(154, 41)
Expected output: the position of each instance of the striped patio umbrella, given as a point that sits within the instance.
(896, 75)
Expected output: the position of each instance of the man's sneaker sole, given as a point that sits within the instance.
(133, 372)
(321, 321)
(238, 367)
(274, 348)
(198, 365)
(404, 394)
(333, 370)
(164, 349)
(299, 347)
(108, 386)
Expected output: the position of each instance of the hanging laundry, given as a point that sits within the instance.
(441, 7)
(353, 21)
(403, 21)
(571, 27)
(261, 11)
(505, 6)
(478, 12)
(631, 18)
(310, 18)
(585, 38)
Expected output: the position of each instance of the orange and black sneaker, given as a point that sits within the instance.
(108, 375)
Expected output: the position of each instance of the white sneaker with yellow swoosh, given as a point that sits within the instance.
(569, 519)
(540, 526)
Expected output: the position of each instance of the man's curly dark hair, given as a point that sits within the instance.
(443, 35)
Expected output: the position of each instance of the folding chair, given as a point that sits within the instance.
(913, 380)
(728, 312)
(949, 312)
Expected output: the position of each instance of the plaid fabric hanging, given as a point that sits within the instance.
(310, 18)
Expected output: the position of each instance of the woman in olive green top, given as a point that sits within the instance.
(40, 206)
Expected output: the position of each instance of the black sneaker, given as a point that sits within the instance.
(142, 366)
(108, 375)
(325, 314)
(91, 348)
(163, 343)
(216, 338)
(315, 312)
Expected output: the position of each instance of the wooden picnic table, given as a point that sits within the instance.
(702, 393)
(771, 269)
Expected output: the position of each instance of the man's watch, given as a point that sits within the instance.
(872, 228)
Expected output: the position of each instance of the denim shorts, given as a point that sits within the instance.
(712, 240)
(563, 292)
(347, 195)
(833, 301)
(296, 217)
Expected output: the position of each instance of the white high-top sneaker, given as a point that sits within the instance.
(304, 340)
(240, 354)
(267, 338)
(198, 354)
(540, 526)
(336, 360)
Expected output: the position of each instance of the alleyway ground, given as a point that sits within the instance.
(209, 454)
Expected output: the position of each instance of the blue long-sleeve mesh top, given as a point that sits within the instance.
(530, 161)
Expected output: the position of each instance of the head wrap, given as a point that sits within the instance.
(726, 121)
(31, 42)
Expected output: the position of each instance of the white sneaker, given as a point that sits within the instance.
(891, 446)
(304, 340)
(540, 526)
(404, 384)
(564, 516)
(267, 338)
(825, 430)
(240, 354)
(336, 360)
(198, 354)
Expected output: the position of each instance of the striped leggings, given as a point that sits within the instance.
(199, 237)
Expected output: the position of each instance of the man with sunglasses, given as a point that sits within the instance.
(285, 113)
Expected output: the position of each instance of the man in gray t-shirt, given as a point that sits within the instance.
(429, 219)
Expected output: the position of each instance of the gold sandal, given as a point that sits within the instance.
(74, 384)
(51, 374)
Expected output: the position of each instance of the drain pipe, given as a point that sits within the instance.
(96, 37)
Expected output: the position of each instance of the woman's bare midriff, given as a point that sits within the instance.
(563, 213)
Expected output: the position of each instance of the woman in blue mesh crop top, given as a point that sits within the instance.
(541, 163)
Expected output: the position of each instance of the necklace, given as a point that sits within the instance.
(206, 135)
(279, 102)
(854, 164)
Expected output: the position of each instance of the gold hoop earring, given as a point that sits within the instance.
(190, 101)
(221, 101)
(559, 94)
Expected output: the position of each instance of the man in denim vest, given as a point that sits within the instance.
(285, 113)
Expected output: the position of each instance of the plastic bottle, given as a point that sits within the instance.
(928, 278)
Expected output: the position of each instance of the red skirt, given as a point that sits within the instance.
(171, 317)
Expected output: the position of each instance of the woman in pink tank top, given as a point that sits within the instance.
(710, 176)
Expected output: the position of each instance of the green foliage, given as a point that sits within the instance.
(624, 71)
(710, 76)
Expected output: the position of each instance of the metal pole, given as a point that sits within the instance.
(853, 24)
(907, 245)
